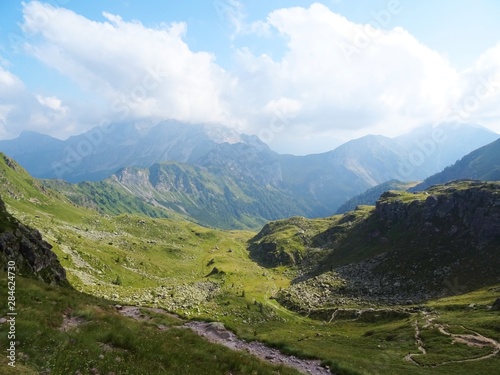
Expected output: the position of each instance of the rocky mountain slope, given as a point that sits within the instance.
(409, 248)
(171, 189)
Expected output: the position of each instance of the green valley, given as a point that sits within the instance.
(262, 287)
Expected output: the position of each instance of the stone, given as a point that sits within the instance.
(496, 305)
(33, 256)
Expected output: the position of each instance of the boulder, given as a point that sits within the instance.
(496, 305)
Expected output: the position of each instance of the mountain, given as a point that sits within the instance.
(140, 286)
(407, 248)
(370, 196)
(333, 177)
(432, 148)
(35, 150)
(236, 186)
(212, 197)
(98, 153)
(244, 169)
(481, 164)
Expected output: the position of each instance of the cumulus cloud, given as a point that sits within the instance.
(335, 77)
(142, 72)
(392, 81)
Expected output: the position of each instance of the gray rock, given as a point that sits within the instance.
(33, 256)
(496, 305)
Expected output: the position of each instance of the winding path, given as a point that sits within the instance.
(475, 339)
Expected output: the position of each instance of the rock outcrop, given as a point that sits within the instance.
(409, 249)
(32, 255)
(467, 208)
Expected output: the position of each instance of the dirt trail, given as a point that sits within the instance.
(420, 346)
(475, 339)
(216, 332)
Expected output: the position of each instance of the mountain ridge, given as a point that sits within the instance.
(480, 164)
(245, 167)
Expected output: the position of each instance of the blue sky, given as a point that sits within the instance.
(300, 74)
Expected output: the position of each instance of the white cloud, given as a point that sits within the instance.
(480, 92)
(142, 72)
(23, 110)
(335, 79)
(10, 85)
(393, 82)
(52, 102)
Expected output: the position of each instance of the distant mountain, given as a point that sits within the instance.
(173, 189)
(330, 178)
(98, 153)
(481, 164)
(242, 165)
(35, 151)
(371, 196)
(430, 149)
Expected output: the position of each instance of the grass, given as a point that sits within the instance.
(164, 263)
(441, 349)
(106, 341)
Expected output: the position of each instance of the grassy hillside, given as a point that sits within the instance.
(405, 249)
(208, 274)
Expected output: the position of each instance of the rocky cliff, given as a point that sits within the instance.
(33, 256)
(411, 247)
(455, 211)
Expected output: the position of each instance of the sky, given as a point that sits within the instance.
(302, 75)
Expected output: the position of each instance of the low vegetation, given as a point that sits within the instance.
(206, 274)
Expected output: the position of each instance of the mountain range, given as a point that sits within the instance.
(219, 177)
(361, 292)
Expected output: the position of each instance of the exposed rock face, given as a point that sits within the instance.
(443, 243)
(409, 249)
(31, 254)
(270, 255)
(473, 211)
